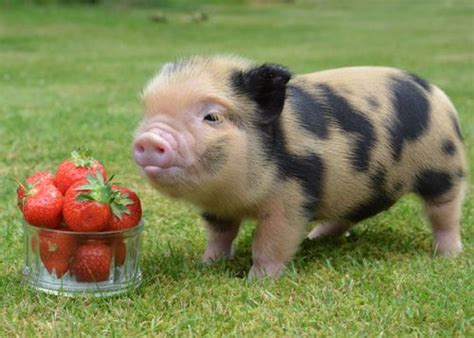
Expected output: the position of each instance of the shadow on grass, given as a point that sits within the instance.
(363, 246)
(367, 244)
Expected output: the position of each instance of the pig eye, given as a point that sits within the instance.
(212, 118)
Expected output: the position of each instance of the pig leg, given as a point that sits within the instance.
(220, 236)
(279, 232)
(445, 218)
(329, 230)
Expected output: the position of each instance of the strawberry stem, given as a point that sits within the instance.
(29, 189)
(120, 203)
(96, 190)
(14, 179)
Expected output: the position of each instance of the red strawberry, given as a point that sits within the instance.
(119, 248)
(120, 253)
(55, 250)
(92, 262)
(56, 265)
(87, 205)
(56, 244)
(41, 177)
(42, 206)
(77, 168)
(126, 208)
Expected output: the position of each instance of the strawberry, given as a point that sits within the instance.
(117, 246)
(119, 249)
(126, 208)
(55, 250)
(42, 205)
(120, 253)
(54, 244)
(87, 204)
(41, 177)
(92, 262)
(56, 265)
(77, 168)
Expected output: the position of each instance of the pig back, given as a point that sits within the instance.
(377, 132)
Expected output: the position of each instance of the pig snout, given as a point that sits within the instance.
(155, 148)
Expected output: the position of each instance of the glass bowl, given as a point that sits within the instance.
(70, 263)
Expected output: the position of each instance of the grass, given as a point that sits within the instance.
(71, 76)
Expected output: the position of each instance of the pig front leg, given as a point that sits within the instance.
(279, 232)
(220, 236)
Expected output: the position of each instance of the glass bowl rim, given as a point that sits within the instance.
(136, 228)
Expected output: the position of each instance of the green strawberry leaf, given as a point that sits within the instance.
(100, 178)
(82, 157)
(85, 187)
(109, 180)
(85, 197)
(92, 179)
(21, 185)
(120, 203)
(126, 201)
(118, 210)
(29, 189)
(96, 189)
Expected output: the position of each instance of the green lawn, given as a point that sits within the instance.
(72, 76)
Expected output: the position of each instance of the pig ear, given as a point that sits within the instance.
(266, 85)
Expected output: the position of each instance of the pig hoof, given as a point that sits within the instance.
(211, 255)
(273, 270)
(452, 251)
(447, 243)
(328, 230)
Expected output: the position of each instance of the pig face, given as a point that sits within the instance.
(202, 137)
(186, 138)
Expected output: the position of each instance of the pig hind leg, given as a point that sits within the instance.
(330, 229)
(445, 220)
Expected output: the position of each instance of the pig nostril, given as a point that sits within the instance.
(140, 148)
(160, 150)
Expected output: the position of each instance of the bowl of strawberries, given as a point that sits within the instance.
(82, 232)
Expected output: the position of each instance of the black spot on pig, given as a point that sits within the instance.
(456, 127)
(215, 156)
(398, 187)
(431, 184)
(309, 112)
(448, 147)
(266, 85)
(411, 114)
(218, 223)
(307, 170)
(378, 202)
(422, 82)
(352, 121)
(372, 102)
